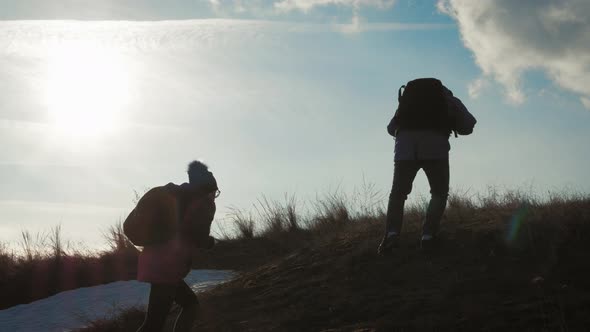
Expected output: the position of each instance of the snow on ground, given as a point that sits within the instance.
(74, 308)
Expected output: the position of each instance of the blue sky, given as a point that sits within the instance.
(101, 98)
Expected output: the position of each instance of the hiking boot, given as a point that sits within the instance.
(429, 242)
(388, 243)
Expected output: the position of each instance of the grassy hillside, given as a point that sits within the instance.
(507, 262)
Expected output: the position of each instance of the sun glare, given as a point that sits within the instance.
(88, 89)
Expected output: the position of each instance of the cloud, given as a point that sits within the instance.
(509, 38)
(18, 37)
(306, 5)
(353, 27)
(34, 36)
(475, 87)
(274, 8)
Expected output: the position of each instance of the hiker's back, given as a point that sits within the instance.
(421, 145)
(427, 114)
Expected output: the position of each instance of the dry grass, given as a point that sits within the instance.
(510, 260)
(276, 217)
(243, 222)
(286, 226)
(46, 265)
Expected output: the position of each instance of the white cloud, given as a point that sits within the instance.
(266, 8)
(510, 37)
(215, 4)
(18, 37)
(354, 26)
(475, 88)
(226, 8)
(586, 102)
(306, 5)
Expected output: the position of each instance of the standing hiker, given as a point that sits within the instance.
(426, 116)
(169, 222)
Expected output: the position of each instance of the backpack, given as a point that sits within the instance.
(423, 106)
(162, 212)
(154, 219)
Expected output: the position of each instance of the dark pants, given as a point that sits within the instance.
(437, 172)
(161, 298)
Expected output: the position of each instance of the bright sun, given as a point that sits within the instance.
(88, 88)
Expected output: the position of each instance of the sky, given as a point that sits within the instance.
(101, 99)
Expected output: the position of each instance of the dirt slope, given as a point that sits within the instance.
(501, 267)
(474, 281)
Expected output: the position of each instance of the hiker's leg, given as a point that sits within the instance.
(404, 173)
(437, 172)
(160, 301)
(187, 299)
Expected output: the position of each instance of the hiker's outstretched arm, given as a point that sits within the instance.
(464, 121)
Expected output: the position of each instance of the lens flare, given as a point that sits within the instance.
(516, 222)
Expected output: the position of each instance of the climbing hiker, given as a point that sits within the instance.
(169, 222)
(426, 116)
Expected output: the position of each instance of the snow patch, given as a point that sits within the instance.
(74, 308)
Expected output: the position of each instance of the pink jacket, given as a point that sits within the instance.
(168, 262)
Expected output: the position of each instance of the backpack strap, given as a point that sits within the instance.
(399, 93)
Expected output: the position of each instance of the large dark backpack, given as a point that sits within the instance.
(154, 219)
(423, 106)
(161, 213)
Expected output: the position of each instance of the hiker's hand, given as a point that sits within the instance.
(210, 242)
(205, 243)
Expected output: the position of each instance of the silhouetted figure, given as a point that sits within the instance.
(169, 222)
(427, 114)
